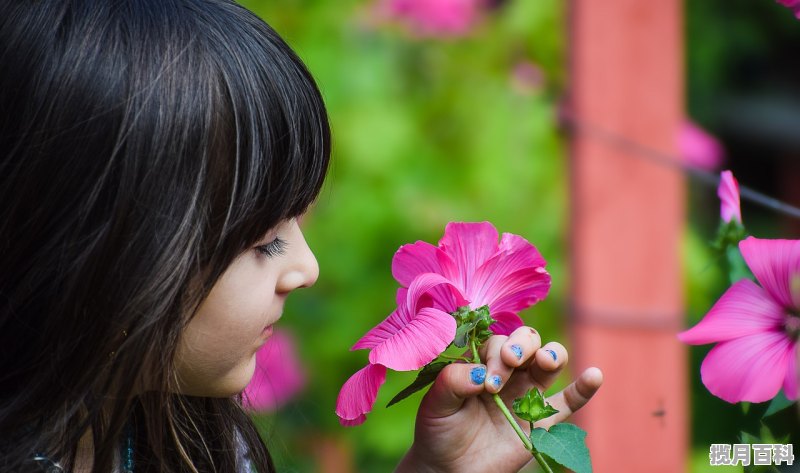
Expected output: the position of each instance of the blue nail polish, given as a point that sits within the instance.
(478, 374)
(496, 381)
(517, 351)
(553, 354)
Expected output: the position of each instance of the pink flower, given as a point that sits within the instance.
(278, 375)
(794, 5)
(756, 327)
(468, 268)
(508, 277)
(434, 18)
(698, 148)
(728, 192)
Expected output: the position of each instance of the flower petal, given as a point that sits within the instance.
(744, 309)
(728, 193)
(427, 283)
(358, 394)
(417, 343)
(278, 375)
(389, 326)
(775, 263)
(505, 323)
(750, 368)
(469, 245)
(509, 291)
(414, 259)
(521, 252)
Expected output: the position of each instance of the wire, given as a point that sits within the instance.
(707, 178)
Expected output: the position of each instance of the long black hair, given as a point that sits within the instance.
(144, 144)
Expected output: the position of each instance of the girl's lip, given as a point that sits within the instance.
(267, 331)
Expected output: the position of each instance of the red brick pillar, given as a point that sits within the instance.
(626, 78)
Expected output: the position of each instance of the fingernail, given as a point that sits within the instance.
(478, 374)
(553, 354)
(496, 381)
(517, 351)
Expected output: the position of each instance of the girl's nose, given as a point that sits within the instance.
(302, 269)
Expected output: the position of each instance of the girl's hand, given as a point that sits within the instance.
(460, 429)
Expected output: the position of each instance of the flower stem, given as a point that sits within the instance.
(525, 440)
(456, 358)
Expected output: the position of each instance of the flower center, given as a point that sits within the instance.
(792, 326)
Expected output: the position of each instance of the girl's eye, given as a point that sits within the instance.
(276, 247)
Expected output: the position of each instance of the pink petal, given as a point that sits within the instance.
(389, 326)
(792, 375)
(775, 263)
(278, 375)
(521, 252)
(417, 343)
(414, 259)
(409, 304)
(510, 291)
(358, 394)
(728, 193)
(750, 368)
(505, 323)
(794, 5)
(353, 422)
(426, 283)
(469, 245)
(744, 309)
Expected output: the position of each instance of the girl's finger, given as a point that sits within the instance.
(497, 372)
(573, 397)
(454, 384)
(520, 347)
(544, 367)
(547, 365)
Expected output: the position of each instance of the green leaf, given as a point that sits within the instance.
(532, 406)
(746, 437)
(779, 403)
(566, 444)
(462, 335)
(425, 377)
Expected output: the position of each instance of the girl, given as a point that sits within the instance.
(154, 158)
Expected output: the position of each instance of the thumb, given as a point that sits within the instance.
(454, 384)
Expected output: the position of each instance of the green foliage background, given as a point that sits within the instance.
(425, 132)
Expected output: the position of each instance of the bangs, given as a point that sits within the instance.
(270, 129)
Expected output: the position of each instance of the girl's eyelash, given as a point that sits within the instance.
(274, 248)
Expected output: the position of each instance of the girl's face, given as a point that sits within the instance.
(216, 352)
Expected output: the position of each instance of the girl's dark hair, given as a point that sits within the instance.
(144, 144)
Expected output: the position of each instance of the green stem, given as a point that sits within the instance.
(475, 357)
(525, 440)
(456, 358)
(539, 458)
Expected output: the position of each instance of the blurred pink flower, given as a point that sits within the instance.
(794, 5)
(698, 148)
(756, 327)
(468, 268)
(728, 193)
(278, 376)
(434, 18)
